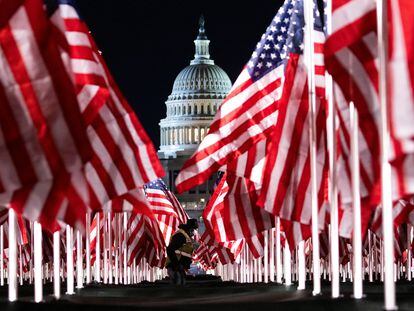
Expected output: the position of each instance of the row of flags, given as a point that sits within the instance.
(260, 135)
(70, 142)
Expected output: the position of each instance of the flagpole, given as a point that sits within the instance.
(272, 255)
(301, 266)
(79, 263)
(98, 249)
(69, 262)
(110, 247)
(266, 256)
(409, 250)
(356, 204)
(56, 264)
(105, 258)
(125, 246)
(309, 52)
(278, 253)
(386, 185)
(12, 266)
(1, 255)
(38, 286)
(88, 247)
(287, 265)
(333, 195)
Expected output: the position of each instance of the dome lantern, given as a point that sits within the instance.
(202, 51)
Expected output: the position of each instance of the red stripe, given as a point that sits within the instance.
(13, 141)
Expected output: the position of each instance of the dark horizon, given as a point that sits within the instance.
(146, 44)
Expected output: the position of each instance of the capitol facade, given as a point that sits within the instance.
(198, 91)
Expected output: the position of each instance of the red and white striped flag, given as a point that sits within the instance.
(123, 156)
(43, 139)
(166, 208)
(351, 54)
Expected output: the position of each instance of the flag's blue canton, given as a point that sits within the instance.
(283, 37)
(156, 184)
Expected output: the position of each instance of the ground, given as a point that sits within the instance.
(211, 295)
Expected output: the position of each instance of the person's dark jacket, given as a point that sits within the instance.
(177, 241)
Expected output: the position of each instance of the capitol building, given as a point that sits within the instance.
(197, 92)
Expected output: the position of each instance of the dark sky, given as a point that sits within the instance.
(147, 42)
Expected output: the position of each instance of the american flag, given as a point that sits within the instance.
(351, 54)
(123, 156)
(43, 139)
(232, 214)
(166, 207)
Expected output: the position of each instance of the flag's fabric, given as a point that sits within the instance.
(286, 188)
(351, 54)
(43, 139)
(210, 252)
(166, 208)
(123, 156)
(232, 214)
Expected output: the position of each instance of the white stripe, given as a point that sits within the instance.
(350, 12)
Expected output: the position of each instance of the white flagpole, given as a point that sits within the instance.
(79, 263)
(1, 255)
(278, 253)
(56, 264)
(356, 204)
(309, 52)
(272, 255)
(31, 252)
(38, 286)
(333, 195)
(409, 250)
(125, 246)
(266, 256)
(104, 247)
(386, 185)
(110, 247)
(88, 247)
(287, 265)
(301, 265)
(12, 273)
(69, 262)
(20, 265)
(98, 250)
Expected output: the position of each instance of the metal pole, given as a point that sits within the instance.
(333, 195)
(98, 249)
(309, 53)
(287, 265)
(12, 273)
(272, 255)
(110, 248)
(278, 253)
(301, 265)
(409, 250)
(386, 185)
(69, 262)
(56, 264)
(125, 247)
(356, 204)
(1, 255)
(104, 248)
(79, 263)
(266, 256)
(38, 286)
(88, 247)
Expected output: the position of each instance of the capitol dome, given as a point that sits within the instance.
(197, 92)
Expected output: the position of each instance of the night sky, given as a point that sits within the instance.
(146, 43)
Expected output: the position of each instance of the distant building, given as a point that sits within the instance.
(197, 93)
